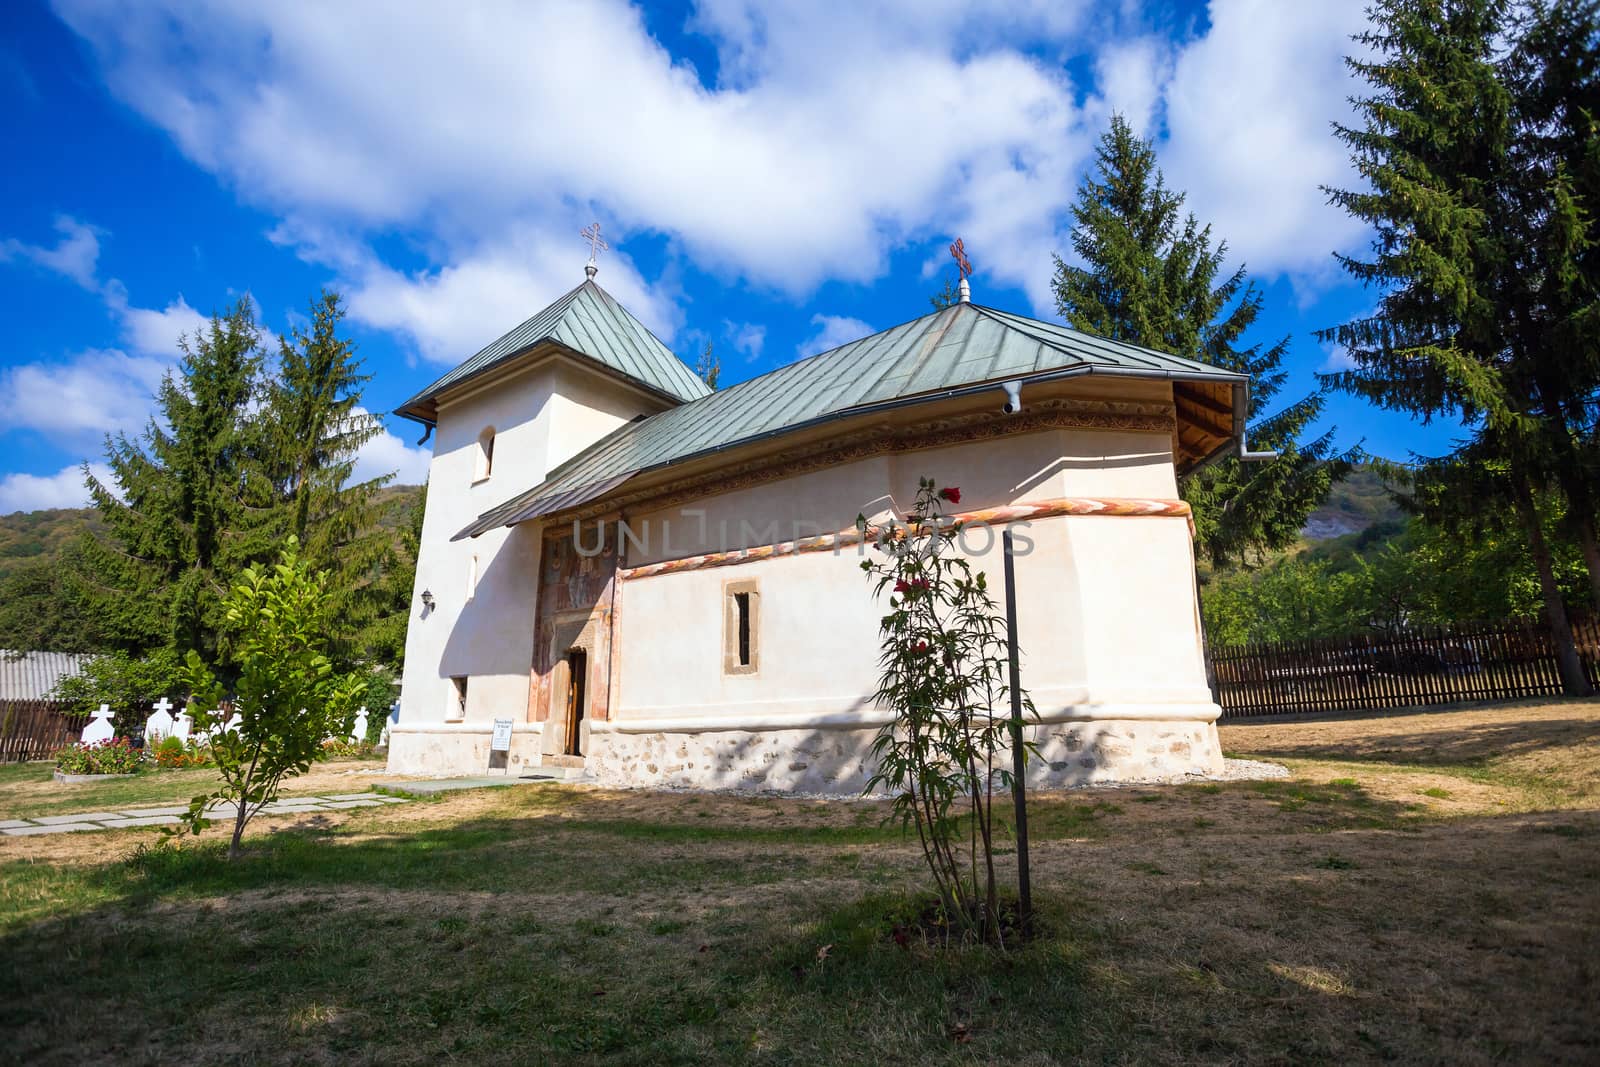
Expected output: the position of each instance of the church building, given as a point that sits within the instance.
(660, 584)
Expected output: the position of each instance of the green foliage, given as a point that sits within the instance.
(157, 581)
(117, 756)
(174, 753)
(238, 460)
(289, 698)
(1422, 575)
(129, 684)
(311, 429)
(948, 295)
(944, 664)
(1477, 145)
(41, 609)
(1153, 276)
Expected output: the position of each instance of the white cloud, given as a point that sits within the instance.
(34, 492)
(833, 136)
(450, 313)
(746, 337)
(830, 136)
(1335, 357)
(1130, 75)
(832, 331)
(93, 393)
(74, 256)
(388, 454)
(1248, 112)
(152, 331)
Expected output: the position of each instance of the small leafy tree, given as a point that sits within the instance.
(289, 699)
(944, 675)
(128, 684)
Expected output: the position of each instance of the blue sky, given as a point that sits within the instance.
(773, 177)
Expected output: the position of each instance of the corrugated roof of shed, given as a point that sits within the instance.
(587, 320)
(964, 344)
(33, 675)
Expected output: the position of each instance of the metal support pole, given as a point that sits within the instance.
(1019, 789)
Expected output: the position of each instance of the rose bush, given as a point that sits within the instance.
(117, 756)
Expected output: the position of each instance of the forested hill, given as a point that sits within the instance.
(1355, 505)
(43, 535)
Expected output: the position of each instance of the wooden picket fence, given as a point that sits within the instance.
(33, 729)
(1421, 667)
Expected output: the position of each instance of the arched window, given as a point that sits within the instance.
(485, 461)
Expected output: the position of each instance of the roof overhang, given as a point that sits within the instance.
(1216, 440)
(424, 407)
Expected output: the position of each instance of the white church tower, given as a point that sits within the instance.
(500, 422)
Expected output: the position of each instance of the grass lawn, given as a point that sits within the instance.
(27, 789)
(1423, 890)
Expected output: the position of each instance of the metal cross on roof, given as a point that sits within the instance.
(597, 244)
(959, 253)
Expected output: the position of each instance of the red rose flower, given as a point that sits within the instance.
(900, 586)
(951, 493)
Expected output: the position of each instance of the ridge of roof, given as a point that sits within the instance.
(960, 346)
(594, 324)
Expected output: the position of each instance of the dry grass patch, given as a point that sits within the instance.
(1399, 899)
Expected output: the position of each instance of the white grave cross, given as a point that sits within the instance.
(160, 723)
(100, 729)
(358, 732)
(183, 725)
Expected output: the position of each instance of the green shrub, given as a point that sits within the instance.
(173, 753)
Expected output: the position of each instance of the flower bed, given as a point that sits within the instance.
(116, 757)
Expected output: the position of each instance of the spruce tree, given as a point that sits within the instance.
(307, 439)
(1480, 314)
(174, 509)
(1153, 276)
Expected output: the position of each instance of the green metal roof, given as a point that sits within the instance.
(961, 345)
(589, 321)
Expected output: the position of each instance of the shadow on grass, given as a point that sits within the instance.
(1462, 747)
(540, 939)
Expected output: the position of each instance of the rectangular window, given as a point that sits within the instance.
(741, 627)
(472, 577)
(741, 605)
(458, 697)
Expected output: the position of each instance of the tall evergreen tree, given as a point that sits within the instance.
(307, 439)
(1153, 276)
(1552, 71)
(174, 509)
(1479, 241)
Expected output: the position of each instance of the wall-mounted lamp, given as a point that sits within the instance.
(427, 600)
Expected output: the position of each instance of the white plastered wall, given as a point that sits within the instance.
(1106, 611)
(484, 630)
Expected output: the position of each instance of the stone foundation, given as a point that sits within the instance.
(837, 759)
(449, 749)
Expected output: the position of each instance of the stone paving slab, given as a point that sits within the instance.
(165, 816)
(83, 816)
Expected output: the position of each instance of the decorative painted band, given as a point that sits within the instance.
(998, 516)
(876, 717)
